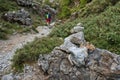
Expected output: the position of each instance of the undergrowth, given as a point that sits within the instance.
(31, 51)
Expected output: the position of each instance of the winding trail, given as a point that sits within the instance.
(8, 47)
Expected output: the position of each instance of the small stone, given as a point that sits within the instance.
(7, 77)
(77, 29)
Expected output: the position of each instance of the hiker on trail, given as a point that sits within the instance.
(48, 18)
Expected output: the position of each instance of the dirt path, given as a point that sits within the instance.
(8, 47)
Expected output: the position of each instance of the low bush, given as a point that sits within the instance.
(96, 7)
(64, 13)
(65, 2)
(31, 51)
(7, 5)
(7, 29)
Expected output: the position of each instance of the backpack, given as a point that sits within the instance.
(48, 16)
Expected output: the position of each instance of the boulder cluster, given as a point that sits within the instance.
(21, 16)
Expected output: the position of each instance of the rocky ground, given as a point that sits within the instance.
(8, 47)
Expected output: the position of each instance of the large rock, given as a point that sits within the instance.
(20, 16)
(99, 65)
(78, 56)
(24, 2)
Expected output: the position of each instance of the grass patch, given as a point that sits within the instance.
(63, 30)
(31, 51)
(7, 29)
(96, 7)
(8, 5)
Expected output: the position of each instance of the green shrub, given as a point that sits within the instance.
(7, 29)
(47, 2)
(103, 30)
(31, 51)
(80, 4)
(62, 30)
(95, 7)
(65, 2)
(64, 13)
(83, 3)
(6, 5)
(113, 38)
(3, 34)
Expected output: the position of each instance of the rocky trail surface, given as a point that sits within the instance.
(8, 47)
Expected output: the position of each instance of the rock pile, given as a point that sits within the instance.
(20, 16)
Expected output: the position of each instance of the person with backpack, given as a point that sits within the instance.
(48, 18)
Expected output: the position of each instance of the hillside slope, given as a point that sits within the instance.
(101, 28)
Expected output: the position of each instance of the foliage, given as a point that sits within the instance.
(78, 5)
(69, 6)
(64, 12)
(7, 29)
(6, 5)
(65, 2)
(96, 7)
(47, 2)
(83, 3)
(31, 51)
(62, 30)
(3, 34)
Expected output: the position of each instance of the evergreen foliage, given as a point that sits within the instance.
(64, 13)
(7, 5)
